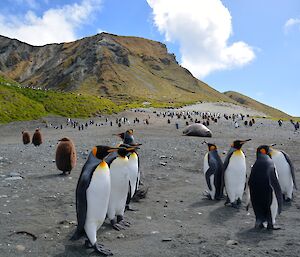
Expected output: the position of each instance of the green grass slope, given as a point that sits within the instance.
(255, 105)
(17, 103)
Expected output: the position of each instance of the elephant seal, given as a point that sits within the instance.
(197, 130)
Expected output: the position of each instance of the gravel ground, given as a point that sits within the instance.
(174, 219)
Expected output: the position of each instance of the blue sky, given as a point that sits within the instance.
(247, 46)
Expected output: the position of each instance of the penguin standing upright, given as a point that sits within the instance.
(133, 165)
(213, 172)
(37, 137)
(25, 137)
(119, 174)
(286, 173)
(235, 173)
(265, 191)
(92, 197)
(65, 156)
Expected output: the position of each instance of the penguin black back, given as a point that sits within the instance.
(262, 182)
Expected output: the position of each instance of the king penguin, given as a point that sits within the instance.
(235, 173)
(213, 172)
(119, 170)
(92, 197)
(286, 173)
(265, 191)
(133, 165)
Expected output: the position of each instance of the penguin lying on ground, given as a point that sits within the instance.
(92, 197)
(213, 172)
(265, 191)
(286, 173)
(119, 174)
(235, 173)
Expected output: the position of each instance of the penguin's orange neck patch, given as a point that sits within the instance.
(103, 164)
(94, 151)
(238, 152)
(263, 151)
(211, 148)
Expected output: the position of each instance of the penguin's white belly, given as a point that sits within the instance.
(211, 192)
(119, 174)
(133, 174)
(235, 177)
(284, 173)
(274, 207)
(97, 196)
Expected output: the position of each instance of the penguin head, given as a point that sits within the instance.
(263, 150)
(211, 147)
(272, 150)
(237, 144)
(128, 137)
(126, 149)
(64, 139)
(100, 151)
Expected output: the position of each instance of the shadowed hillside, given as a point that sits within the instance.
(253, 104)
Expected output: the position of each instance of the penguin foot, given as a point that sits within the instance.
(125, 223)
(207, 195)
(235, 205)
(88, 244)
(117, 226)
(99, 249)
(128, 208)
(288, 200)
(272, 227)
(259, 226)
(227, 201)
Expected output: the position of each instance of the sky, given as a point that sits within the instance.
(248, 46)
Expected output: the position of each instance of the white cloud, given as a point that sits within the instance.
(202, 29)
(54, 26)
(291, 23)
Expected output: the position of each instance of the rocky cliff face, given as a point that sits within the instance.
(104, 64)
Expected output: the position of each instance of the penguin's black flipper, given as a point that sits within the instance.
(208, 173)
(277, 189)
(287, 157)
(226, 162)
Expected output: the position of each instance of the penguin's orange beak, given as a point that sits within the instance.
(113, 149)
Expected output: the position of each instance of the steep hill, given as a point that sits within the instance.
(122, 68)
(253, 104)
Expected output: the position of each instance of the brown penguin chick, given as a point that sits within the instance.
(25, 137)
(65, 157)
(37, 137)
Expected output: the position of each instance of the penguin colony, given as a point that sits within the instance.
(272, 175)
(266, 189)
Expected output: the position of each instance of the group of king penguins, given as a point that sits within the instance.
(107, 182)
(271, 181)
